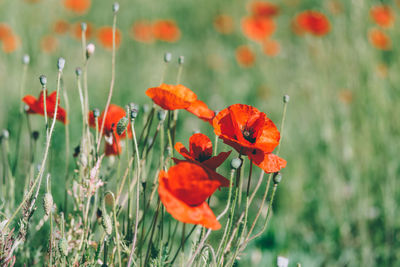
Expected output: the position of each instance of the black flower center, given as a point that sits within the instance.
(248, 134)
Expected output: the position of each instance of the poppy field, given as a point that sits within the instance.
(199, 133)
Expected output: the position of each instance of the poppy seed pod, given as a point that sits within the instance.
(115, 7)
(236, 163)
(134, 110)
(60, 63)
(35, 135)
(47, 203)
(5, 134)
(90, 48)
(25, 59)
(106, 223)
(63, 247)
(96, 113)
(43, 80)
(282, 261)
(83, 26)
(161, 114)
(181, 60)
(121, 125)
(167, 57)
(277, 177)
(286, 98)
(78, 71)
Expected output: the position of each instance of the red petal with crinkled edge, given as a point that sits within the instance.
(114, 114)
(268, 162)
(30, 101)
(171, 97)
(200, 214)
(216, 161)
(201, 110)
(200, 147)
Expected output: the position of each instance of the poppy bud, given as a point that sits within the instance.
(99, 213)
(115, 7)
(43, 80)
(96, 113)
(277, 177)
(63, 247)
(78, 71)
(5, 134)
(83, 26)
(167, 57)
(35, 135)
(60, 63)
(286, 98)
(134, 109)
(181, 60)
(90, 48)
(121, 125)
(161, 114)
(25, 59)
(47, 203)
(106, 223)
(236, 163)
(282, 261)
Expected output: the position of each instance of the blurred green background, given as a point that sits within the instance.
(339, 197)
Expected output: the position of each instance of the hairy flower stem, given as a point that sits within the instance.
(46, 152)
(136, 149)
(110, 93)
(66, 127)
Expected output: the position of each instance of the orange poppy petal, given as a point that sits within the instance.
(268, 162)
(245, 56)
(313, 22)
(264, 9)
(201, 110)
(383, 16)
(142, 31)
(171, 97)
(183, 151)
(379, 39)
(166, 30)
(105, 36)
(201, 214)
(200, 147)
(258, 28)
(77, 6)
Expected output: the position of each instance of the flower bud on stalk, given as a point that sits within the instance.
(96, 113)
(83, 26)
(236, 163)
(161, 115)
(181, 60)
(121, 125)
(78, 71)
(43, 80)
(26, 59)
(115, 7)
(277, 177)
(5, 134)
(286, 98)
(134, 110)
(90, 48)
(47, 203)
(60, 63)
(167, 57)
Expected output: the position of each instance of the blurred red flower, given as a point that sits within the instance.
(171, 97)
(105, 36)
(36, 106)
(245, 56)
(61, 26)
(49, 44)
(313, 22)
(271, 47)
(184, 190)
(200, 151)
(166, 30)
(79, 7)
(382, 15)
(223, 24)
(251, 133)
(264, 9)
(114, 115)
(379, 39)
(142, 31)
(258, 28)
(10, 41)
(76, 31)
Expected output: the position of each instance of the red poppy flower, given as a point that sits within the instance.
(379, 39)
(105, 36)
(11, 43)
(200, 151)
(201, 110)
(166, 30)
(382, 15)
(251, 133)
(264, 9)
(36, 106)
(61, 26)
(77, 6)
(114, 115)
(223, 24)
(184, 189)
(49, 44)
(171, 97)
(313, 22)
(245, 56)
(258, 28)
(271, 48)
(5, 31)
(142, 31)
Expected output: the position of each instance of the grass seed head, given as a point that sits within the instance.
(106, 223)
(63, 247)
(47, 203)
